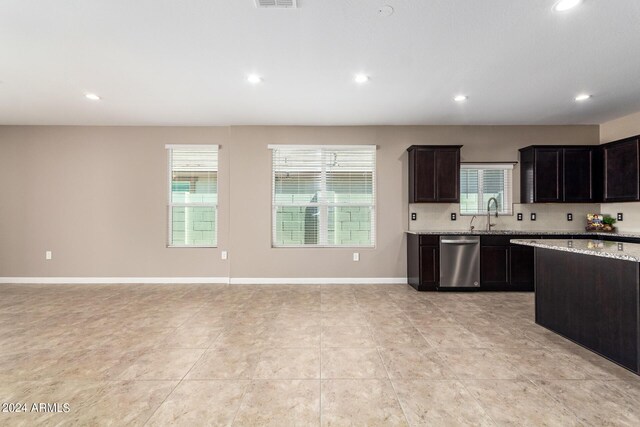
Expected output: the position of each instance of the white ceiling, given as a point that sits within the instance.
(185, 62)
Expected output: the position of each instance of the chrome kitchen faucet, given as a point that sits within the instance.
(489, 225)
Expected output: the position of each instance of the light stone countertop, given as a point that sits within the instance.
(527, 232)
(599, 248)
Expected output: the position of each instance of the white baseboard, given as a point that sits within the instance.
(114, 280)
(209, 280)
(318, 281)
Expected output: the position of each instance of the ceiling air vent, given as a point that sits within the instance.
(284, 4)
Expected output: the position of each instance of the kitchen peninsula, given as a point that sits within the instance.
(589, 292)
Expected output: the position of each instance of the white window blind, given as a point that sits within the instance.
(480, 182)
(193, 195)
(323, 195)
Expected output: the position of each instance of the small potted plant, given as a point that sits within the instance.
(607, 223)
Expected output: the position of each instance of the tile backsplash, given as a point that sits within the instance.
(631, 212)
(549, 217)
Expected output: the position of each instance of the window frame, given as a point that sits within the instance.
(506, 167)
(323, 229)
(170, 204)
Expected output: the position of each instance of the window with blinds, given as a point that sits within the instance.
(323, 196)
(480, 182)
(193, 195)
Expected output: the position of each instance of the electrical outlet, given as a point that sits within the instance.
(569, 217)
(453, 216)
(620, 216)
(48, 255)
(533, 217)
(520, 217)
(356, 256)
(621, 246)
(414, 216)
(224, 255)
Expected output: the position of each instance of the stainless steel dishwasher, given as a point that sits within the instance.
(459, 261)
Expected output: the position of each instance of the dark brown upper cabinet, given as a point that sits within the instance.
(622, 170)
(434, 173)
(553, 174)
(579, 165)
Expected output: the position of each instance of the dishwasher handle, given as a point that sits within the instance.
(460, 242)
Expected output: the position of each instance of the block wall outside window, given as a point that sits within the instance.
(193, 196)
(323, 196)
(194, 226)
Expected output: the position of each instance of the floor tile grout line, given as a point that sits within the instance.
(393, 387)
(320, 382)
(244, 393)
(554, 398)
(215, 340)
(162, 403)
(480, 405)
(175, 387)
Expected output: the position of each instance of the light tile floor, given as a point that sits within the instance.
(296, 355)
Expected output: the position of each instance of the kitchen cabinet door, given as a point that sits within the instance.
(522, 268)
(548, 175)
(422, 176)
(577, 179)
(448, 175)
(434, 174)
(423, 261)
(429, 268)
(621, 169)
(494, 267)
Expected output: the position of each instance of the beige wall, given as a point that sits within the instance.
(251, 252)
(612, 131)
(96, 197)
(620, 128)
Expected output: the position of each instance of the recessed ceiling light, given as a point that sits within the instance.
(254, 79)
(92, 96)
(564, 5)
(583, 97)
(361, 78)
(460, 98)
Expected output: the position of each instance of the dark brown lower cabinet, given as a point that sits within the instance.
(494, 266)
(591, 300)
(423, 261)
(429, 266)
(522, 268)
(504, 266)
